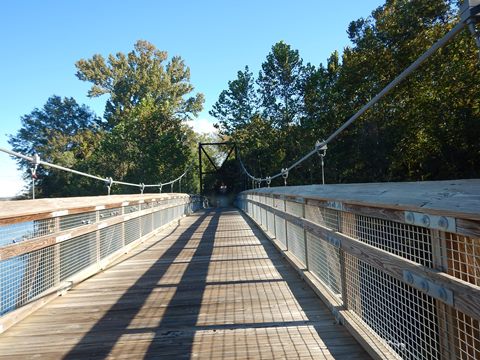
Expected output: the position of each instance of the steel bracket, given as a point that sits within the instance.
(429, 287)
(443, 223)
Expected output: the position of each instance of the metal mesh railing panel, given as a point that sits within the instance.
(463, 257)
(132, 230)
(323, 216)
(279, 204)
(296, 241)
(77, 254)
(294, 208)
(72, 221)
(271, 223)
(147, 223)
(467, 336)
(280, 230)
(130, 209)
(403, 317)
(263, 216)
(109, 213)
(324, 262)
(14, 233)
(408, 241)
(110, 240)
(157, 219)
(24, 277)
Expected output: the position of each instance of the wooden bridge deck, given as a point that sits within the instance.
(211, 287)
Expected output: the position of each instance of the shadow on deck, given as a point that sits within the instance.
(213, 287)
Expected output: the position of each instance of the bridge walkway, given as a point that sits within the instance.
(211, 286)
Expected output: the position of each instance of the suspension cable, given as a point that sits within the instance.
(36, 161)
(405, 73)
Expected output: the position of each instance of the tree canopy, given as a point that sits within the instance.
(143, 136)
(423, 130)
(427, 128)
(144, 72)
(62, 132)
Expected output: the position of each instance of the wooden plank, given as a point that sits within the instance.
(456, 198)
(190, 294)
(28, 210)
(23, 247)
(466, 295)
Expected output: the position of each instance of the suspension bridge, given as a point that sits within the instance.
(346, 271)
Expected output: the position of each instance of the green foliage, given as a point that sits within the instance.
(143, 137)
(236, 105)
(62, 132)
(130, 78)
(280, 85)
(425, 129)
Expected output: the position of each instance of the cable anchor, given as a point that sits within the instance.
(285, 175)
(142, 188)
(269, 180)
(109, 183)
(160, 188)
(321, 148)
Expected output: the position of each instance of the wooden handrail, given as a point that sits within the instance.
(420, 239)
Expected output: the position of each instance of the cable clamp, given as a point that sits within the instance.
(321, 148)
(35, 162)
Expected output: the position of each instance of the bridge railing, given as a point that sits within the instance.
(398, 264)
(48, 245)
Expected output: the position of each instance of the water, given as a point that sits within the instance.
(12, 270)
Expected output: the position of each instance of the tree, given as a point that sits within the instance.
(129, 78)
(281, 83)
(62, 132)
(236, 105)
(146, 140)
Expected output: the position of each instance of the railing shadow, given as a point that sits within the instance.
(320, 318)
(109, 334)
(171, 330)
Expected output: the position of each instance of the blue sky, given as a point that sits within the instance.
(42, 40)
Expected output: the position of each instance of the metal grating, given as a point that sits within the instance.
(403, 317)
(324, 262)
(467, 336)
(132, 230)
(270, 223)
(263, 214)
(280, 230)
(147, 224)
(130, 209)
(72, 221)
(108, 213)
(77, 254)
(323, 216)
(463, 257)
(110, 240)
(24, 277)
(294, 208)
(157, 219)
(279, 204)
(408, 241)
(15, 233)
(296, 241)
